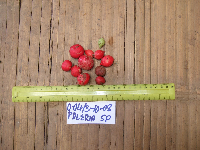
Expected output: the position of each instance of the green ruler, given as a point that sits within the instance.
(93, 92)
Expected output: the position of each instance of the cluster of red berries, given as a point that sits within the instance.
(86, 62)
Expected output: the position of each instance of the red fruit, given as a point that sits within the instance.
(75, 71)
(100, 71)
(83, 79)
(107, 61)
(99, 54)
(100, 80)
(85, 62)
(66, 65)
(76, 51)
(89, 53)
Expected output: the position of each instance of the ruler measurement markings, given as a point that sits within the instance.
(105, 92)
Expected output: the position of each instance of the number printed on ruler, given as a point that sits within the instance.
(101, 112)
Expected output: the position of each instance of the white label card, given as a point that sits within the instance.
(100, 112)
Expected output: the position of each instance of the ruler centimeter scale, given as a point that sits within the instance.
(93, 93)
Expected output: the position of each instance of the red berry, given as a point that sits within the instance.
(66, 65)
(99, 54)
(83, 79)
(100, 71)
(100, 80)
(75, 71)
(76, 51)
(107, 61)
(89, 53)
(85, 62)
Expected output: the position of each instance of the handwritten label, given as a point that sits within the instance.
(101, 112)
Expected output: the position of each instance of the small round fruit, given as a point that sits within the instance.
(66, 65)
(75, 71)
(99, 54)
(76, 51)
(85, 62)
(100, 80)
(107, 61)
(83, 79)
(89, 53)
(100, 71)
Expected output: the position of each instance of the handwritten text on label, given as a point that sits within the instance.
(101, 112)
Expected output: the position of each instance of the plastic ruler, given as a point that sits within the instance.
(93, 92)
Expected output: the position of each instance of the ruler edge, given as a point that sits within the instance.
(172, 91)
